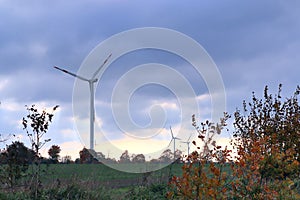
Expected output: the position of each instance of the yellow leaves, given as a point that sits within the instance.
(254, 167)
(242, 163)
(210, 192)
(248, 187)
(215, 170)
(170, 194)
(224, 190)
(295, 163)
(256, 172)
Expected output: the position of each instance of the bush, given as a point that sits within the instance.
(154, 191)
(16, 158)
(71, 192)
(266, 160)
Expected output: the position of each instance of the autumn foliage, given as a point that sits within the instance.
(264, 162)
(204, 176)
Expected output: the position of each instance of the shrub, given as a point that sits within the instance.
(154, 191)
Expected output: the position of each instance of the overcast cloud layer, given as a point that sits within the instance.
(253, 44)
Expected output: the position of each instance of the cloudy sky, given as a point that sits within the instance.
(252, 43)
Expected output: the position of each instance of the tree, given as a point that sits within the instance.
(139, 158)
(276, 121)
(249, 170)
(17, 157)
(166, 156)
(3, 159)
(54, 153)
(77, 161)
(125, 158)
(36, 124)
(265, 163)
(39, 123)
(86, 156)
(178, 154)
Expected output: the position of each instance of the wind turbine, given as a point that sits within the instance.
(91, 82)
(188, 144)
(6, 138)
(173, 138)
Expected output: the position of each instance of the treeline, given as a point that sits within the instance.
(18, 153)
(91, 156)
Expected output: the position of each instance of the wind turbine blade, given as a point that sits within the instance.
(171, 132)
(70, 73)
(105, 61)
(176, 138)
(170, 143)
(189, 137)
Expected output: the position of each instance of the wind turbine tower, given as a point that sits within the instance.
(91, 82)
(173, 138)
(188, 144)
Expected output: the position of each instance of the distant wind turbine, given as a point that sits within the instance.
(92, 96)
(188, 144)
(173, 138)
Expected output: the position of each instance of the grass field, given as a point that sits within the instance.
(99, 180)
(104, 180)
(99, 173)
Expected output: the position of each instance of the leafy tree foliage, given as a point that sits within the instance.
(266, 141)
(166, 156)
(249, 170)
(125, 158)
(54, 153)
(139, 158)
(203, 179)
(86, 156)
(178, 154)
(16, 157)
(277, 122)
